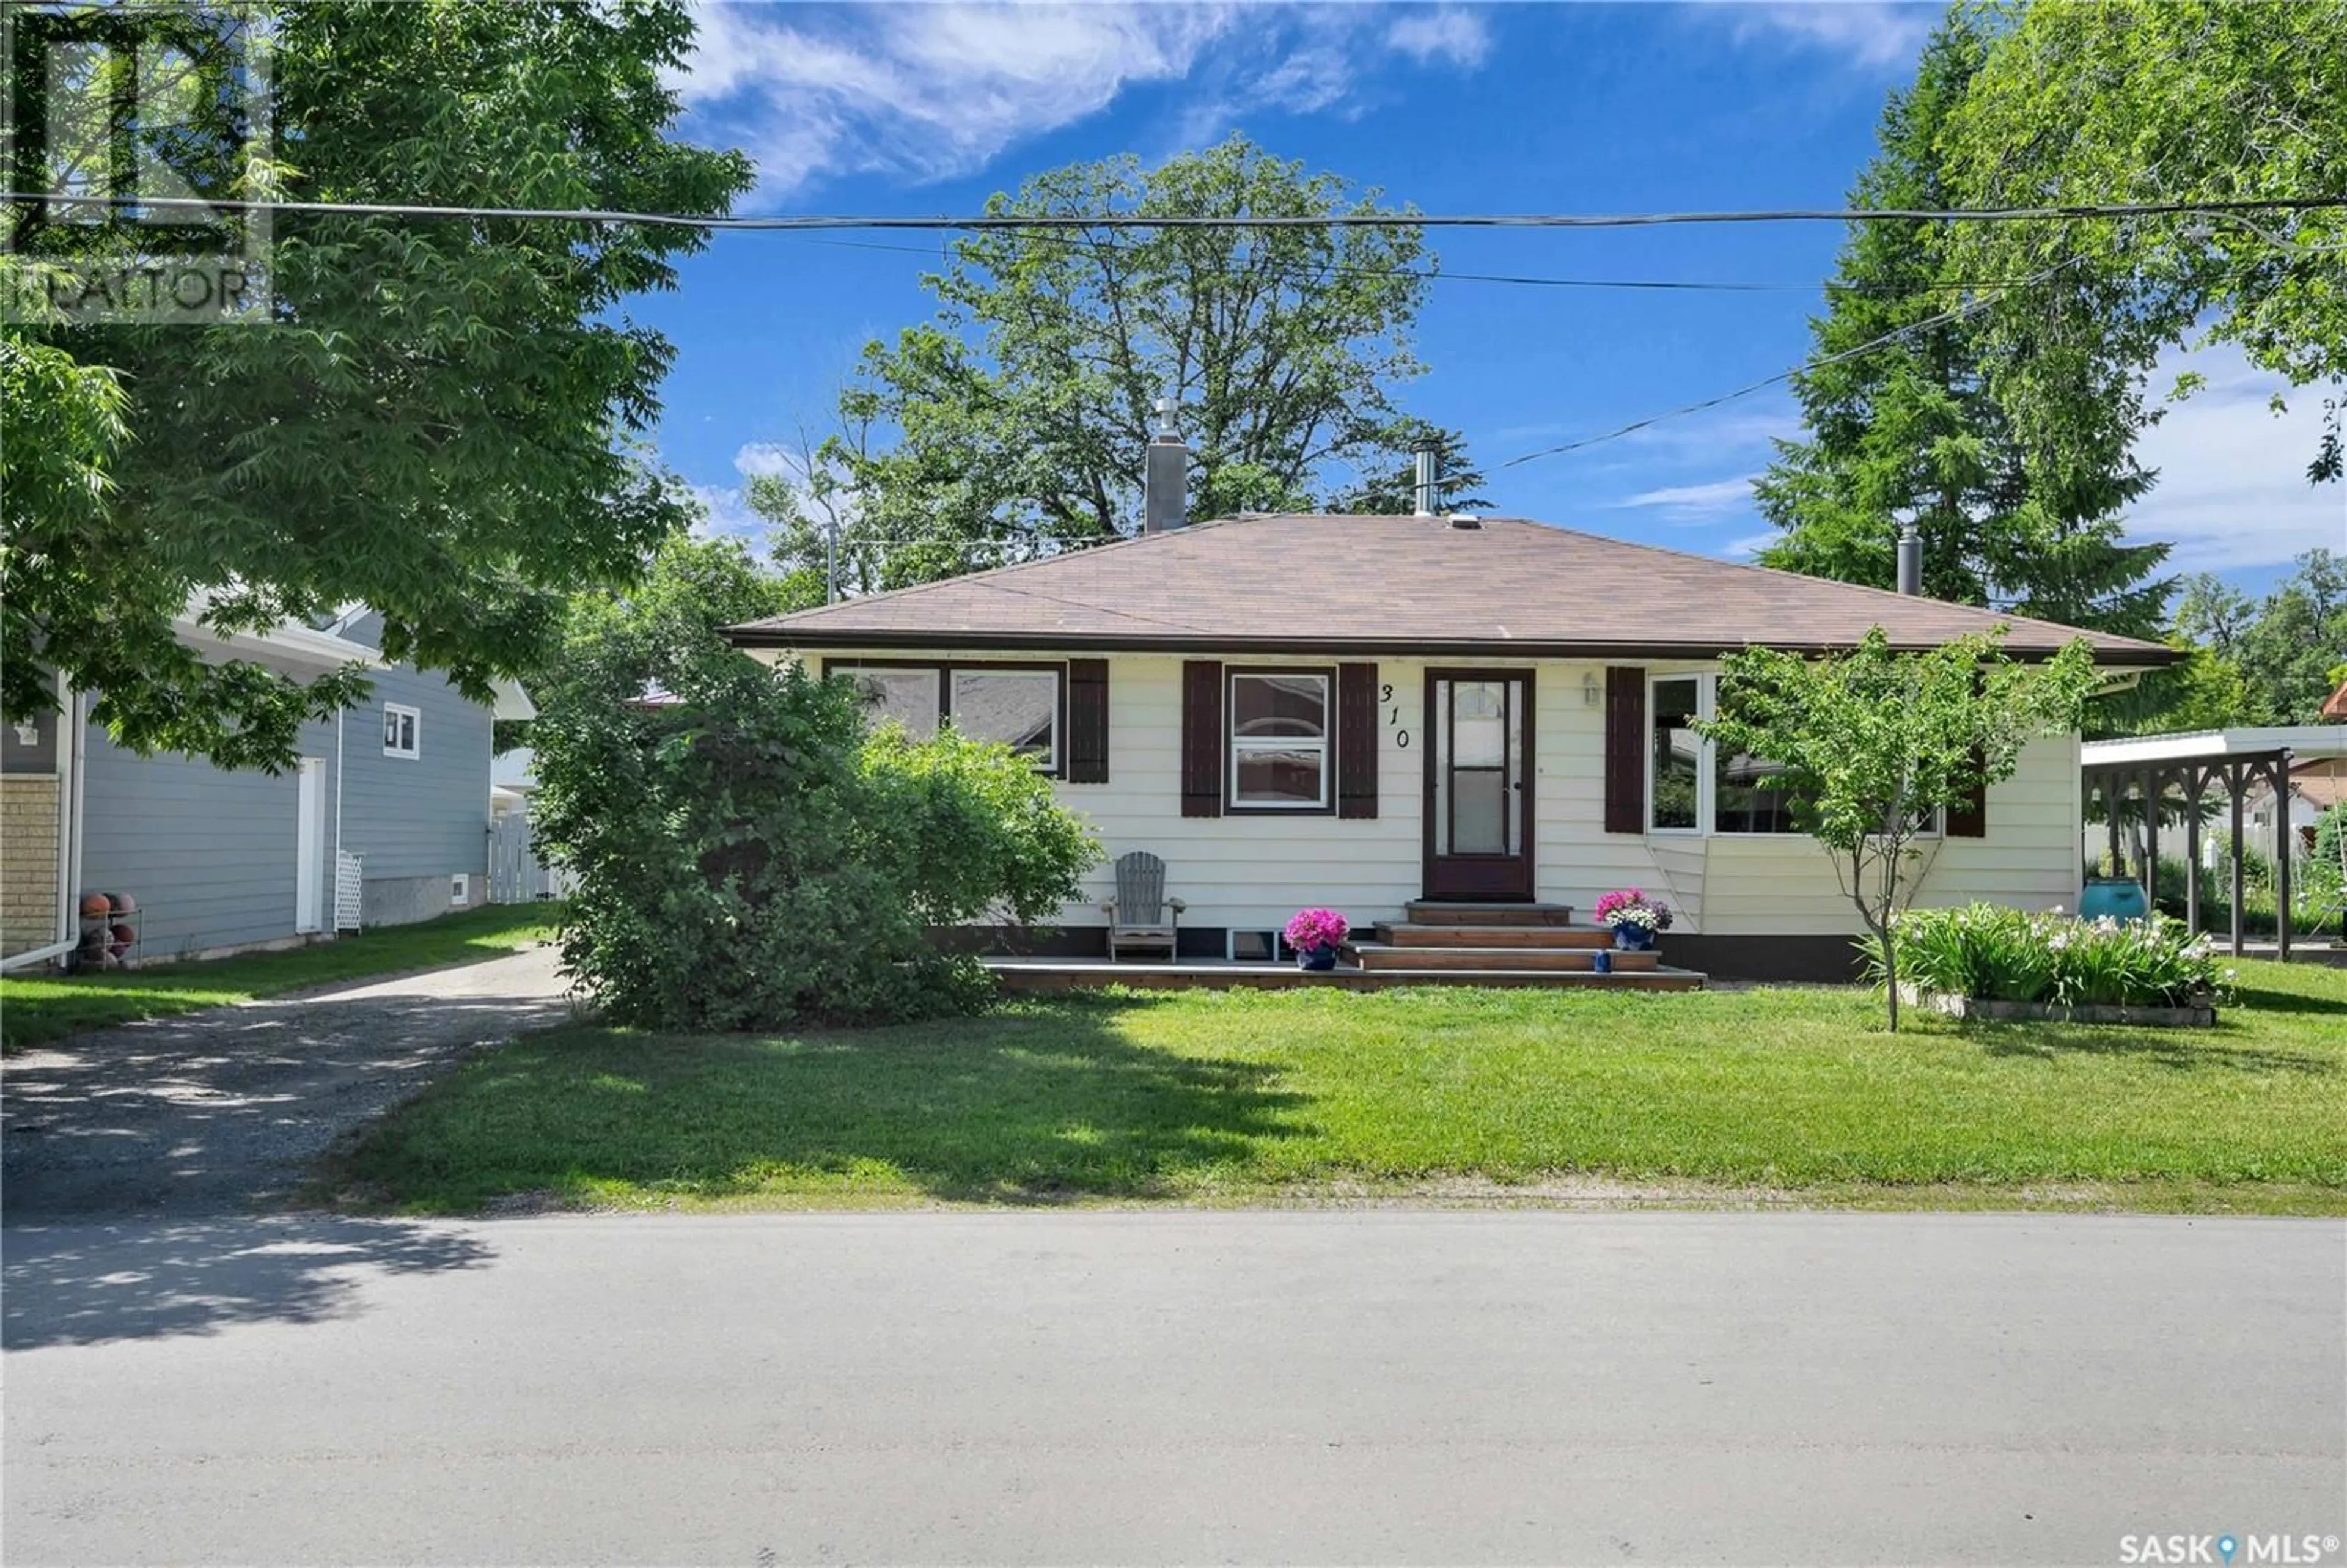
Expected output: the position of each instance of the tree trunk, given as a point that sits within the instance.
(1891, 974)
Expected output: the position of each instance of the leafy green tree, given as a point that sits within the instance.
(2205, 691)
(1874, 743)
(1393, 491)
(2093, 101)
(1910, 431)
(438, 416)
(1012, 423)
(2286, 654)
(668, 620)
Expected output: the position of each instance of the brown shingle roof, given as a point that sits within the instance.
(1329, 584)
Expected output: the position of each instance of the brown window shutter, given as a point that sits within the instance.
(1356, 740)
(1202, 737)
(1088, 720)
(1968, 818)
(1626, 748)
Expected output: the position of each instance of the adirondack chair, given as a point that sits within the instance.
(1138, 915)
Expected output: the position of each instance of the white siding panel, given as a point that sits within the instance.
(1252, 872)
(1787, 886)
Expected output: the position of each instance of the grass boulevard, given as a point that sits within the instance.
(1791, 1095)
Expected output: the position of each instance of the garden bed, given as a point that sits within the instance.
(1986, 1012)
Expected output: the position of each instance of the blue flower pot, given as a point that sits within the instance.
(1316, 958)
(1632, 939)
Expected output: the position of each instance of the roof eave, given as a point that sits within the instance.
(767, 635)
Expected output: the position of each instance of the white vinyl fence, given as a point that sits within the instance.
(516, 873)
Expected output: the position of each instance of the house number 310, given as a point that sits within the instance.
(1393, 714)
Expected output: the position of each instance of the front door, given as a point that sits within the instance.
(1478, 794)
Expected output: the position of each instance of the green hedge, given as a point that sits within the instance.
(748, 857)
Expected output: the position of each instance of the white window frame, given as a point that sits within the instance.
(1047, 761)
(1233, 743)
(413, 749)
(1707, 780)
(1702, 768)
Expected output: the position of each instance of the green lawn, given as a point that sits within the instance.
(1237, 1096)
(33, 1010)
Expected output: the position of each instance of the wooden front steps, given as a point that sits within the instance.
(1427, 912)
(1410, 933)
(1579, 956)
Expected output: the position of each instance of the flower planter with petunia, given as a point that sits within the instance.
(1634, 919)
(1316, 934)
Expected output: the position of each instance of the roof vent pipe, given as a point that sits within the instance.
(1911, 559)
(1164, 473)
(1429, 476)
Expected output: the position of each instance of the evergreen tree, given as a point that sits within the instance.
(1910, 431)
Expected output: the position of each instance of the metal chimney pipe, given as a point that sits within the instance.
(1165, 474)
(1429, 478)
(1911, 559)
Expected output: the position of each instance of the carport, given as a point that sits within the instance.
(2154, 775)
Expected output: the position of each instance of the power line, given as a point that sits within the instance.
(1444, 274)
(1941, 319)
(976, 223)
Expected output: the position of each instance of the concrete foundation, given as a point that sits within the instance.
(403, 900)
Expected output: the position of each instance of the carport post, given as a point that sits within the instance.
(2114, 791)
(2193, 784)
(2285, 840)
(2152, 791)
(2233, 789)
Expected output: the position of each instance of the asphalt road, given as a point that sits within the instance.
(220, 1110)
(1159, 1386)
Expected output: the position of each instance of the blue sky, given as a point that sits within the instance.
(930, 108)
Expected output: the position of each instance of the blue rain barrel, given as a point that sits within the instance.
(2120, 897)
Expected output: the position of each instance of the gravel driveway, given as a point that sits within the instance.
(214, 1113)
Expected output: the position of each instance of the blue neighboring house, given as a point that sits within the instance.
(384, 820)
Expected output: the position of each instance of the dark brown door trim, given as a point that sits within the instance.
(1475, 877)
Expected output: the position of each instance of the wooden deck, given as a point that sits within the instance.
(1432, 945)
(1216, 974)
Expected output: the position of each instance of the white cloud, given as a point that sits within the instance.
(763, 460)
(927, 92)
(1447, 33)
(726, 515)
(1697, 503)
(1862, 31)
(2232, 491)
(1751, 545)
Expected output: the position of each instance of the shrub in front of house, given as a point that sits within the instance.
(748, 857)
(1984, 952)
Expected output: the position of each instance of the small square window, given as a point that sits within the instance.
(1279, 740)
(402, 731)
(905, 697)
(1255, 947)
(1020, 708)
